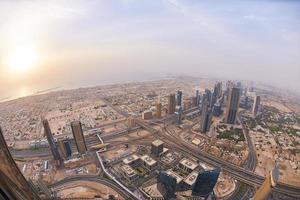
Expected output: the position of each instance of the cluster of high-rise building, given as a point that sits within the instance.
(64, 145)
(210, 104)
(207, 105)
(204, 183)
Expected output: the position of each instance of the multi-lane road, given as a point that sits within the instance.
(244, 175)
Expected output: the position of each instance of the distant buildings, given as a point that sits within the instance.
(208, 96)
(157, 147)
(205, 183)
(217, 93)
(146, 115)
(178, 114)
(197, 97)
(179, 98)
(232, 105)
(244, 102)
(194, 101)
(256, 105)
(205, 116)
(131, 122)
(166, 185)
(13, 184)
(53, 147)
(187, 104)
(78, 136)
(219, 89)
(158, 110)
(217, 110)
(171, 104)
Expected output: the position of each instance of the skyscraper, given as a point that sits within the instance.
(256, 105)
(78, 136)
(171, 104)
(158, 110)
(217, 93)
(205, 183)
(157, 147)
(178, 114)
(219, 89)
(52, 145)
(197, 97)
(205, 116)
(232, 105)
(208, 96)
(166, 185)
(13, 184)
(194, 101)
(217, 111)
(179, 98)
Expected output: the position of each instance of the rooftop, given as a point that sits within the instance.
(152, 191)
(157, 143)
(148, 160)
(130, 159)
(188, 163)
(191, 178)
(172, 173)
(128, 170)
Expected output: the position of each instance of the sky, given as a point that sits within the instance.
(82, 43)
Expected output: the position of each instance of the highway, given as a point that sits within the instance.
(244, 175)
(251, 160)
(239, 173)
(90, 141)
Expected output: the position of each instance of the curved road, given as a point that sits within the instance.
(96, 179)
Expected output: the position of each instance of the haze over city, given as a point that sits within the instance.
(46, 44)
(150, 99)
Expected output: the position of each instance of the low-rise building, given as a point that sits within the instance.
(151, 192)
(128, 172)
(131, 122)
(190, 180)
(187, 165)
(146, 115)
(149, 162)
(178, 177)
(132, 160)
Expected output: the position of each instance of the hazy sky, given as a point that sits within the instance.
(80, 43)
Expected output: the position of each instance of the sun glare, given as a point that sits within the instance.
(22, 59)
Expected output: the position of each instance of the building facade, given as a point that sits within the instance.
(13, 184)
(171, 104)
(78, 136)
(52, 145)
(232, 105)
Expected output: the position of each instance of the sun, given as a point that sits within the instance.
(22, 59)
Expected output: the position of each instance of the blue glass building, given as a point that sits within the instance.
(166, 185)
(205, 183)
(68, 148)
